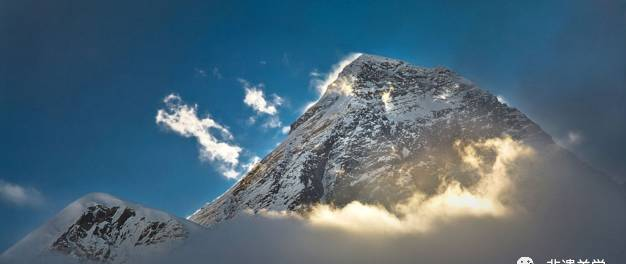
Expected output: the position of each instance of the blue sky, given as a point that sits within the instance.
(81, 83)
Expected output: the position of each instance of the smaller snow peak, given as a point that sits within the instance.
(102, 228)
(98, 198)
(104, 233)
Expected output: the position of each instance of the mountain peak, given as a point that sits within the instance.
(99, 198)
(377, 135)
(368, 73)
(102, 228)
(366, 57)
(361, 59)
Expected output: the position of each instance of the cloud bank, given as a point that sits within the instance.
(530, 200)
(527, 202)
(214, 139)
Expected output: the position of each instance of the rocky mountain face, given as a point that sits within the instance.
(381, 131)
(102, 228)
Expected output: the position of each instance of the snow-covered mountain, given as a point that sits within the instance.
(382, 130)
(101, 228)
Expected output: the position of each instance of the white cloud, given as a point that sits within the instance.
(251, 120)
(273, 122)
(315, 73)
(285, 129)
(19, 195)
(216, 73)
(255, 98)
(570, 140)
(251, 164)
(574, 137)
(229, 172)
(277, 100)
(183, 119)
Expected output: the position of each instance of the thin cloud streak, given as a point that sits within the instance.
(321, 84)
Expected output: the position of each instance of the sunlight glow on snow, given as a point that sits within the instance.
(421, 212)
(386, 98)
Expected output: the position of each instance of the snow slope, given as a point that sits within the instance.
(101, 228)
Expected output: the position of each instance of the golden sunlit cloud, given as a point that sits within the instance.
(420, 213)
(343, 85)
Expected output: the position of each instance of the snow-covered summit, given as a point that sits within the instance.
(382, 130)
(102, 228)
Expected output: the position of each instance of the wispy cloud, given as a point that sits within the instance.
(216, 73)
(183, 119)
(321, 81)
(285, 59)
(18, 195)
(570, 140)
(200, 72)
(321, 84)
(315, 73)
(253, 162)
(272, 122)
